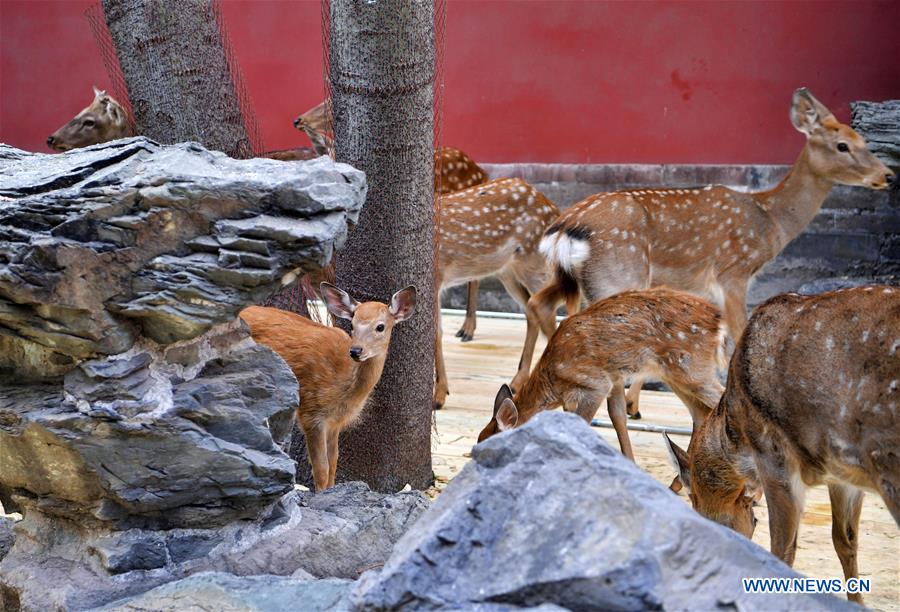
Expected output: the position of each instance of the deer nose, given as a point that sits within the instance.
(50, 141)
(355, 352)
(297, 122)
(889, 178)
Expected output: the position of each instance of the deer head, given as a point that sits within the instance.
(102, 121)
(717, 488)
(371, 322)
(835, 151)
(506, 415)
(316, 124)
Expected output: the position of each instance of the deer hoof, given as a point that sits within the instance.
(636, 416)
(437, 405)
(676, 485)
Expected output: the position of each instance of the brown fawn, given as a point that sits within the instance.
(490, 230)
(664, 333)
(811, 398)
(709, 241)
(336, 372)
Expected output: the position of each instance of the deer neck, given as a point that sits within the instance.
(536, 395)
(796, 200)
(365, 375)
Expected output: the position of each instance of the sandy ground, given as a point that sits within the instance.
(477, 369)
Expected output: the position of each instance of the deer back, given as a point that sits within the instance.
(485, 227)
(454, 170)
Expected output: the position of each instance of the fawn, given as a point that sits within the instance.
(490, 230)
(709, 241)
(336, 372)
(811, 398)
(673, 335)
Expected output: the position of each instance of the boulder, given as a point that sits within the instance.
(144, 440)
(551, 514)
(101, 245)
(228, 593)
(7, 535)
(59, 564)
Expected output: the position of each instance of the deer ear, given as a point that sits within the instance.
(507, 416)
(680, 461)
(338, 301)
(403, 304)
(807, 113)
(503, 394)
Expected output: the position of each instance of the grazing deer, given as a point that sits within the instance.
(490, 230)
(811, 398)
(103, 120)
(336, 372)
(709, 241)
(675, 336)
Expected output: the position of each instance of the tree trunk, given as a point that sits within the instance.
(178, 72)
(382, 76)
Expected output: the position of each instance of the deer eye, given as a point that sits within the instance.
(380, 327)
(842, 147)
(88, 123)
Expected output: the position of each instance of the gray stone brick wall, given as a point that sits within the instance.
(854, 239)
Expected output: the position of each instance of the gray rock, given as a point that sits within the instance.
(63, 564)
(228, 593)
(154, 443)
(101, 244)
(551, 514)
(879, 124)
(7, 536)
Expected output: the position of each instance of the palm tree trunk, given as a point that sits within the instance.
(181, 81)
(382, 76)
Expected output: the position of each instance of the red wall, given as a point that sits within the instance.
(681, 82)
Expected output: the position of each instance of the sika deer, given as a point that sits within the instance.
(672, 335)
(709, 241)
(336, 372)
(811, 398)
(490, 230)
(103, 120)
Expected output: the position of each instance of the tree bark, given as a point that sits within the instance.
(178, 72)
(382, 77)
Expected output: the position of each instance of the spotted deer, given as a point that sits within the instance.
(672, 335)
(336, 372)
(708, 241)
(490, 230)
(102, 120)
(811, 399)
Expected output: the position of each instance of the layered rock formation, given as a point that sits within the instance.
(133, 404)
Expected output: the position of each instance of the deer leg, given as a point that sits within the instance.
(542, 302)
(467, 331)
(615, 405)
(332, 445)
(735, 310)
(317, 448)
(632, 404)
(785, 508)
(441, 389)
(846, 506)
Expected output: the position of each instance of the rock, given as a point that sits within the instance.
(551, 514)
(342, 532)
(228, 593)
(102, 244)
(879, 124)
(7, 535)
(142, 440)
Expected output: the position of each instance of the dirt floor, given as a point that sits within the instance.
(477, 369)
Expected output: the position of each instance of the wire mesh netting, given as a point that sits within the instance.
(173, 67)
